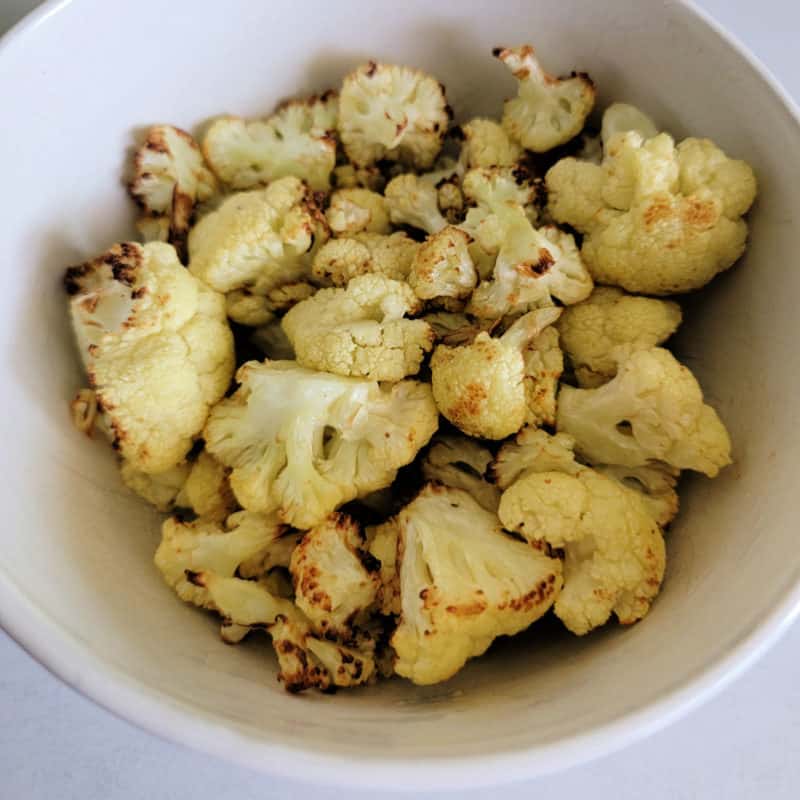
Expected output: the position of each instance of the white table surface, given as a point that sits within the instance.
(56, 745)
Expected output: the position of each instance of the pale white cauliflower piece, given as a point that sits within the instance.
(156, 346)
(334, 576)
(614, 554)
(392, 112)
(653, 410)
(160, 489)
(360, 330)
(534, 451)
(531, 269)
(656, 219)
(338, 261)
(461, 463)
(486, 144)
(209, 546)
(297, 140)
(494, 187)
(656, 485)
(414, 201)
(480, 387)
(303, 442)
(356, 210)
(442, 267)
(257, 242)
(463, 583)
(548, 111)
(622, 117)
(609, 318)
(544, 364)
(206, 490)
(170, 177)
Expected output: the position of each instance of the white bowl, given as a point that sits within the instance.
(77, 585)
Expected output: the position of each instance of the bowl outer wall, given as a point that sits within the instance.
(76, 585)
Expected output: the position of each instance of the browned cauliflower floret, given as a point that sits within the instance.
(463, 582)
(340, 260)
(610, 318)
(297, 140)
(392, 112)
(170, 177)
(334, 576)
(548, 111)
(156, 346)
(442, 267)
(614, 554)
(356, 210)
(656, 219)
(360, 330)
(480, 387)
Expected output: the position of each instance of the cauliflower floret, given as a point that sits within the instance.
(157, 349)
(208, 546)
(392, 112)
(256, 311)
(455, 328)
(413, 201)
(303, 442)
(273, 342)
(486, 144)
(495, 187)
(535, 451)
(461, 463)
(614, 554)
(356, 210)
(206, 489)
(334, 577)
(383, 546)
(161, 489)
(548, 111)
(349, 176)
(622, 117)
(532, 267)
(258, 241)
(480, 387)
(463, 582)
(443, 267)
(170, 176)
(655, 220)
(655, 484)
(607, 319)
(338, 261)
(360, 330)
(652, 410)
(297, 140)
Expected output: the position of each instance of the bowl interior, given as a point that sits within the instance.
(76, 565)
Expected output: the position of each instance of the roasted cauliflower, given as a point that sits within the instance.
(463, 583)
(653, 410)
(656, 219)
(592, 330)
(392, 112)
(614, 554)
(156, 346)
(548, 111)
(360, 330)
(355, 210)
(170, 177)
(480, 387)
(297, 140)
(442, 267)
(302, 443)
(486, 144)
(340, 260)
(414, 201)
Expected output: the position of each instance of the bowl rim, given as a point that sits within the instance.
(74, 662)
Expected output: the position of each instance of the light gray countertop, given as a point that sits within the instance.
(56, 745)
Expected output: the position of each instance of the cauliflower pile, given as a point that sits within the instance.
(402, 386)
